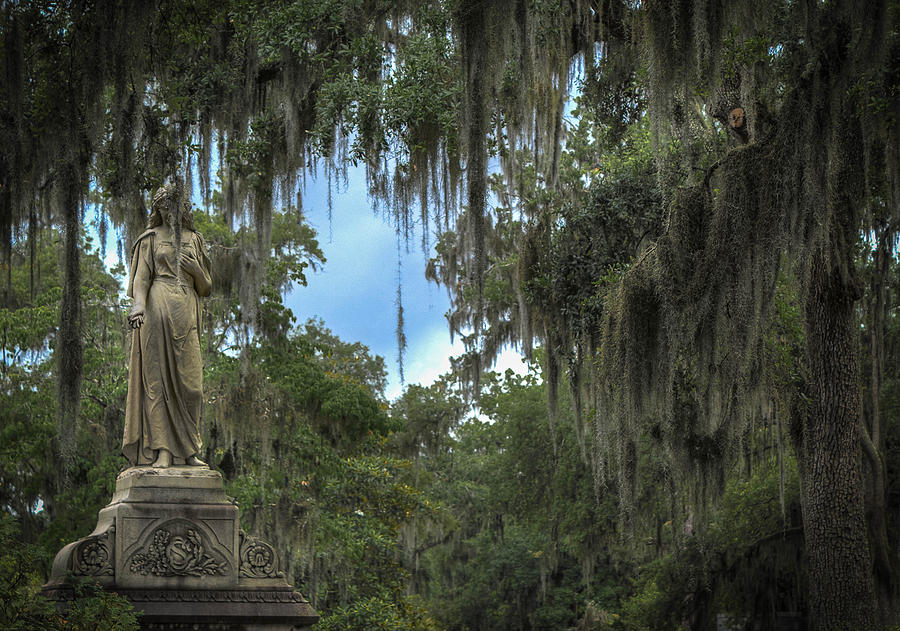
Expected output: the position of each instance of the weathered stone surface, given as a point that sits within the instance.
(223, 610)
(175, 485)
(170, 541)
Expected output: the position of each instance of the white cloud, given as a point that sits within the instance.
(429, 358)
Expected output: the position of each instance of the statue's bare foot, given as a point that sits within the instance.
(194, 461)
(163, 460)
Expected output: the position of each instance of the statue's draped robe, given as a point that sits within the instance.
(165, 378)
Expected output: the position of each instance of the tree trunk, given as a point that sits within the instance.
(873, 439)
(842, 594)
(69, 346)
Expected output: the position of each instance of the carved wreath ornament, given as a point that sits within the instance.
(176, 556)
(258, 558)
(92, 557)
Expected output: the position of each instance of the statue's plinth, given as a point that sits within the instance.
(170, 541)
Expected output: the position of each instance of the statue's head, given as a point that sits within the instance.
(164, 208)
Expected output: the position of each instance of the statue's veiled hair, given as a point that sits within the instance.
(163, 205)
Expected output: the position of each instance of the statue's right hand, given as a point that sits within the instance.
(136, 318)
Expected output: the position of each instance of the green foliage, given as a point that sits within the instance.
(379, 615)
(519, 541)
(351, 361)
(747, 564)
(22, 608)
(431, 415)
(20, 580)
(34, 489)
(96, 608)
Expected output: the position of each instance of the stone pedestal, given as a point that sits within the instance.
(170, 541)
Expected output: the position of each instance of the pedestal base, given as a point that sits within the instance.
(170, 541)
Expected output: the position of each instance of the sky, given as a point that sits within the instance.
(354, 293)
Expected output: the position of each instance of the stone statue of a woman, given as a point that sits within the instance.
(165, 380)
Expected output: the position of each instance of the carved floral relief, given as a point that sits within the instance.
(177, 554)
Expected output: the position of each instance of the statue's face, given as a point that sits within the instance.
(172, 219)
(165, 206)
